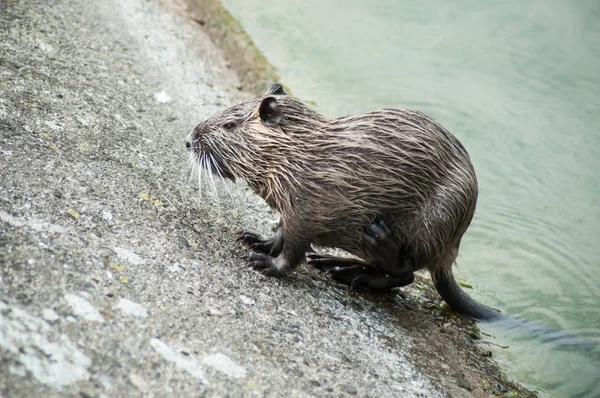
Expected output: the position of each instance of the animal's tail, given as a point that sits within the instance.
(459, 301)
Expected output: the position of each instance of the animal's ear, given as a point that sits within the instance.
(270, 112)
(275, 89)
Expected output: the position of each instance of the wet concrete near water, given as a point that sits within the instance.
(118, 279)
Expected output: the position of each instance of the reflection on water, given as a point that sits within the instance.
(518, 83)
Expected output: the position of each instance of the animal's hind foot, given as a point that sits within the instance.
(357, 273)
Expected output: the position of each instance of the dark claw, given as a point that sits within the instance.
(380, 228)
(379, 233)
(261, 247)
(369, 240)
(248, 238)
(252, 241)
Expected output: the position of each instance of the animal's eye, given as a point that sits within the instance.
(229, 125)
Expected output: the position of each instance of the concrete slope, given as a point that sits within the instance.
(116, 277)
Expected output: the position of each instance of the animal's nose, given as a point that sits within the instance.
(188, 144)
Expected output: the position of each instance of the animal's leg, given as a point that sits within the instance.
(294, 241)
(292, 254)
(271, 246)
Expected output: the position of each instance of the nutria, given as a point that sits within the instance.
(392, 187)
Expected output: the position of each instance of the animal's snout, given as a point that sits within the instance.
(188, 145)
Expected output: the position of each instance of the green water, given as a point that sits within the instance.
(519, 84)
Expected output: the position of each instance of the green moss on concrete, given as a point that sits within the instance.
(254, 71)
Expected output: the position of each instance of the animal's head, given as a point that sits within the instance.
(256, 140)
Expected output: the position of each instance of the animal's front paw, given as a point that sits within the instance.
(265, 264)
(380, 243)
(255, 242)
(390, 257)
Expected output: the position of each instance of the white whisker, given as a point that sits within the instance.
(169, 202)
(192, 166)
(218, 168)
(207, 173)
(212, 179)
(200, 170)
